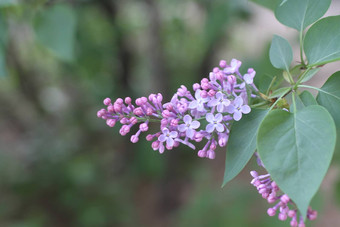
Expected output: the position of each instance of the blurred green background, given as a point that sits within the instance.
(62, 166)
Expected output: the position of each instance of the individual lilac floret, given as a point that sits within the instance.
(237, 108)
(168, 137)
(221, 101)
(214, 122)
(189, 126)
(199, 102)
(249, 77)
(234, 66)
(270, 191)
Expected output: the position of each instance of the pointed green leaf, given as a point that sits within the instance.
(299, 14)
(307, 98)
(242, 143)
(321, 43)
(329, 97)
(56, 30)
(280, 53)
(296, 149)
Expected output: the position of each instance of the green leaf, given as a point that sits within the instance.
(242, 143)
(270, 4)
(329, 97)
(56, 30)
(279, 92)
(321, 43)
(296, 149)
(299, 14)
(310, 74)
(280, 53)
(307, 98)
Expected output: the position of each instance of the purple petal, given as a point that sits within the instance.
(219, 95)
(210, 117)
(165, 131)
(161, 148)
(195, 125)
(237, 115)
(220, 107)
(198, 94)
(210, 128)
(245, 109)
(248, 78)
(213, 102)
(169, 142)
(218, 117)
(187, 119)
(173, 134)
(162, 138)
(190, 133)
(238, 101)
(193, 104)
(182, 127)
(230, 109)
(219, 127)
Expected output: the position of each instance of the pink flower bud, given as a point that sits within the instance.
(111, 122)
(282, 216)
(211, 93)
(138, 111)
(284, 198)
(124, 121)
(149, 137)
(196, 86)
(159, 98)
(166, 113)
(291, 213)
(216, 70)
(139, 102)
(144, 127)
(210, 154)
(149, 111)
(222, 139)
(111, 109)
(231, 79)
(174, 122)
(133, 120)
(164, 122)
(107, 101)
(119, 101)
(125, 129)
(293, 223)
(134, 139)
(204, 94)
(155, 145)
(117, 107)
(271, 211)
(100, 113)
(144, 100)
(223, 64)
(151, 97)
(220, 76)
(201, 153)
(128, 100)
(254, 173)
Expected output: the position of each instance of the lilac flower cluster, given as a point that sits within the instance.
(270, 191)
(217, 101)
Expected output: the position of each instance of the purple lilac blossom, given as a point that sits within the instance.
(189, 126)
(218, 100)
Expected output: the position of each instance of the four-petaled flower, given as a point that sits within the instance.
(249, 77)
(168, 137)
(199, 102)
(214, 122)
(189, 126)
(237, 108)
(234, 66)
(220, 101)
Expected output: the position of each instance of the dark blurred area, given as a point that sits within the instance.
(62, 166)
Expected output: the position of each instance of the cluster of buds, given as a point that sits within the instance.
(271, 192)
(217, 101)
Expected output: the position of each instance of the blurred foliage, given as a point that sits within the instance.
(60, 165)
